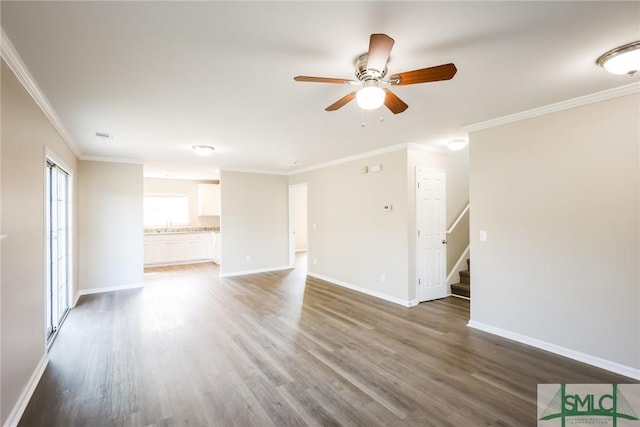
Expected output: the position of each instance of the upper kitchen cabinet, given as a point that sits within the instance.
(209, 199)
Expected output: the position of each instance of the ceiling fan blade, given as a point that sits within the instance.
(424, 75)
(379, 49)
(393, 103)
(323, 80)
(341, 102)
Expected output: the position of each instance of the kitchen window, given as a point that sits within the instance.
(166, 210)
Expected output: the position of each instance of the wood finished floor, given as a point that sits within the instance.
(191, 349)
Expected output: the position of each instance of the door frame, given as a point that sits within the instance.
(51, 157)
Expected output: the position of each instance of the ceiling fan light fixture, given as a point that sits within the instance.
(370, 97)
(622, 60)
(203, 150)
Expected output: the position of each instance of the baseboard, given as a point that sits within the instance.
(608, 365)
(193, 261)
(459, 296)
(109, 289)
(260, 270)
(27, 392)
(458, 267)
(75, 299)
(405, 303)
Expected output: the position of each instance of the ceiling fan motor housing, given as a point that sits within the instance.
(363, 73)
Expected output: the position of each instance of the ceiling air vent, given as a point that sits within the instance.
(104, 135)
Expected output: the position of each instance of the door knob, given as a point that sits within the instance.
(444, 242)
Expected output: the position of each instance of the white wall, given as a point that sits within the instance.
(26, 136)
(559, 198)
(183, 186)
(111, 225)
(255, 212)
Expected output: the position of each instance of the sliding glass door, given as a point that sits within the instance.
(57, 219)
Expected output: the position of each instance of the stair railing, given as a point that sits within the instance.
(455, 223)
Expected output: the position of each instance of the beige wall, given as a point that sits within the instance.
(354, 240)
(183, 186)
(26, 137)
(255, 212)
(559, 198)
(111, 225)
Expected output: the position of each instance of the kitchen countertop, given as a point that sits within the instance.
(181, 230)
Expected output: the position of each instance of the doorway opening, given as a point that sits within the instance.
(298, 230)
(57, 298)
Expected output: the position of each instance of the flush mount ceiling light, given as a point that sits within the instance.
(203, 150)
(622, 60)
(457, 144)
(370, 97)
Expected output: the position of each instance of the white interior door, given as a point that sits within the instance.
(431, 234)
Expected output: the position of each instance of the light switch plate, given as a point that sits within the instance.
(483, 236)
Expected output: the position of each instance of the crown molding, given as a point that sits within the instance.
(13, 60)
(593, 98)
(366, 154)
(111, 160)
(257, 171)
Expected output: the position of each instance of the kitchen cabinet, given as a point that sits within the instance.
(209, 199)
(176, 248)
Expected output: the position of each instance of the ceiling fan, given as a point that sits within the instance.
(371, 68)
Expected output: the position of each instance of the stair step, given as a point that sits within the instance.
(465, 276)
(462, 289)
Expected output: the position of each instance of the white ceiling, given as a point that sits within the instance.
(163, 76)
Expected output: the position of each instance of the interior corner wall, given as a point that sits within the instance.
(111, 226)
(559, 198)
(254, 225)
(26, 137)
(352, 240)
(456, 167)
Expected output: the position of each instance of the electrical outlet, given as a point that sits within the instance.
(383, 277)
(315, 260)
(248, 258)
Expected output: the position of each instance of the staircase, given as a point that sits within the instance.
(463, 289)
